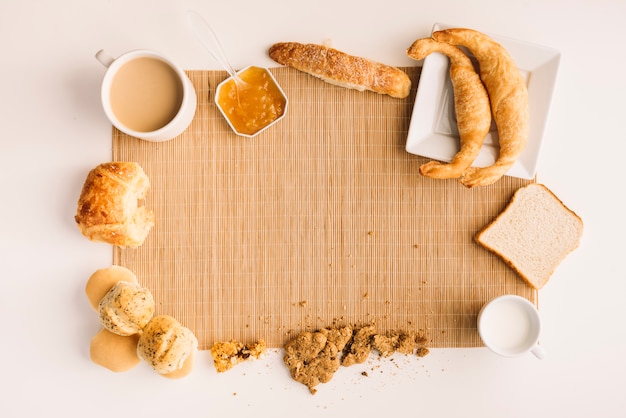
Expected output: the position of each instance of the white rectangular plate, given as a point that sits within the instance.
(433, 132)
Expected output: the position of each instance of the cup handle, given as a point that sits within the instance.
(538, 351)
(104, 58)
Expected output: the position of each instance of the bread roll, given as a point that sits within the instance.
(126, 308)
(108, 206)
(102, 280)
(341, 69)
(533, 234)
(114, 352)
(167, 345)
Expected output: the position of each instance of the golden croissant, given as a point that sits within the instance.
(471, 105)
(508, 96)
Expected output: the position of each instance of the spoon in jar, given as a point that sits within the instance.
(211, 43)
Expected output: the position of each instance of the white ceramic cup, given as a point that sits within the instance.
(177, 124)
(510, 325)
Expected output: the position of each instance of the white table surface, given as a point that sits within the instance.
(54, 131)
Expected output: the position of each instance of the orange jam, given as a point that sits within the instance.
(260, 101)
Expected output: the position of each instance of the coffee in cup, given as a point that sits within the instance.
(146, 95)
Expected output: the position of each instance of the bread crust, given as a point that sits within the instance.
(337, 67)
(471, 105)
(508, 96)
(108, 207)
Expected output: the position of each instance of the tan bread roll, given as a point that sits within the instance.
(108, 206)
(471, 105)
(342, 69)
(126, 308)
(102, 280)
(167, 345)
(508, 96)
(114, 352)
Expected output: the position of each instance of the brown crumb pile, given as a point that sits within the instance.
(228, 354)
(314, 357)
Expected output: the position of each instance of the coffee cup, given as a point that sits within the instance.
(510, 325)
(146, 95)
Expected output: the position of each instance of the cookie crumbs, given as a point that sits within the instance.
(228, 354)
(422, 352)
(359, 350)
(314, 357)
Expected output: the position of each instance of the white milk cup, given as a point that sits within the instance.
(177, 124)
(510, 325)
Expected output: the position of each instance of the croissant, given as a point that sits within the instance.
(471, 105)
(508, 96)
(108, 206)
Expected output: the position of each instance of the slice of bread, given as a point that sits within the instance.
(533, 234)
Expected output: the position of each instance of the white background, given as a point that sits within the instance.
(53, 131)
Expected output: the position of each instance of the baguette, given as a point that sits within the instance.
(341, 69)
(533, 234)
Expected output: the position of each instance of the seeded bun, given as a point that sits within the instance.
(126, 308)
(166, 345)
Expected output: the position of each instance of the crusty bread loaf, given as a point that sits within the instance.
(167, 345)
(342, 69)
(108, 206)
(533, 234)
(126, 308)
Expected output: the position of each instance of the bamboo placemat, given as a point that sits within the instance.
(321, 220)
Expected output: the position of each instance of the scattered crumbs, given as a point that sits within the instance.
(364, 373)
(366, 295)
(302, 303)
(370, 233)
(422, 352)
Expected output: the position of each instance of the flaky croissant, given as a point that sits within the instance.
(471, 105)
(108, 207)
(508, 96)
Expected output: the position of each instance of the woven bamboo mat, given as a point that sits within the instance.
(321, 220)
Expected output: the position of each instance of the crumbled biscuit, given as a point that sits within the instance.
(314, 357)
(228, 354)
(361, 346)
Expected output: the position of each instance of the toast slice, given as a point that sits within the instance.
(533, 234)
